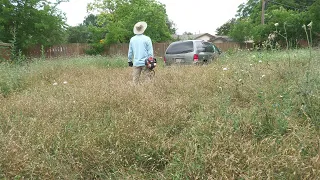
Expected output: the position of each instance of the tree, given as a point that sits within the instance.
(89, 31)
(289, 14)
(31, 22)
(248, 9)
(121, 15)
(91, 19)
(314, 16)
(78, 34)
(172, 26)
(224, 30)
(241, 30)
(187, 33)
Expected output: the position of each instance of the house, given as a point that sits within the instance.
(202, 36)
(221, 39)
(205, 37)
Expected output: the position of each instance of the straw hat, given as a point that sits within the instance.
(140, 27)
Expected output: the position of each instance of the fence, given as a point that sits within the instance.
(65, 50)
(160, 48)
(77, 49)
(4, 51)
(233, 45)
(122, 49)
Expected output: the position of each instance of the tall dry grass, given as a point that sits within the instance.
(246, 116)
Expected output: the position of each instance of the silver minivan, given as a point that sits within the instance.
(189, 52)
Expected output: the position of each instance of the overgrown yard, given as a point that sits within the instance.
(249, 115)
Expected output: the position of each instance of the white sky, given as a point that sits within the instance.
(194, 16)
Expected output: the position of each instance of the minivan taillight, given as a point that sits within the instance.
(195, 58)
(164, 59)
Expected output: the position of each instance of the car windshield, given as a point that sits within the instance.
(180, 47)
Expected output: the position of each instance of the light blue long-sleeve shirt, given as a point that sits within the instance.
(140, 49)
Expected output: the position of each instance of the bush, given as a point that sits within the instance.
(95, 49)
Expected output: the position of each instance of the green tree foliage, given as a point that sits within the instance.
(78, 34)
(33, 22)
(314, 16)
(289, 14)
(172, 26)
(87, 32)
(241, 30)
(248, 9)
(121, 15)
(226, 27)
(187, 33)
(91, 19)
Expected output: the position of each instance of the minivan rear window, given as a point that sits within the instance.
(208, 47)
(204, 46)
(180, 47)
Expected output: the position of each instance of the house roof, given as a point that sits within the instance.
(191, 37)
(196, 36)
(222, 38)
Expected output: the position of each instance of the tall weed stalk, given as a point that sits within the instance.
(285, 36)
(17, 57)
(309, 90)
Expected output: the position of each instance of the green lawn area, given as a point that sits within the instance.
(248, 115)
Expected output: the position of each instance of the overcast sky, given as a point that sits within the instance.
(195, 16)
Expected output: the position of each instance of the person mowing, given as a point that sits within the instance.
(140, 50)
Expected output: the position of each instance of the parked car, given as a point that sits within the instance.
(216, 49)
(189, 52)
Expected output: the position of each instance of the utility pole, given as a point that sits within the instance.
(263, 9)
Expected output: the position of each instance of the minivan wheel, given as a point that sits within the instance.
(205, 62)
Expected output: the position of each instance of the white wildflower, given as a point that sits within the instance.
(271, 36)
(65, 82)
(225, 69)
(276, 24)
(304, 26)
(281, 96)
(310, 24)
(55, 83)
(263, 76)
(240, 80)
(260, 61)
(250, 64)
